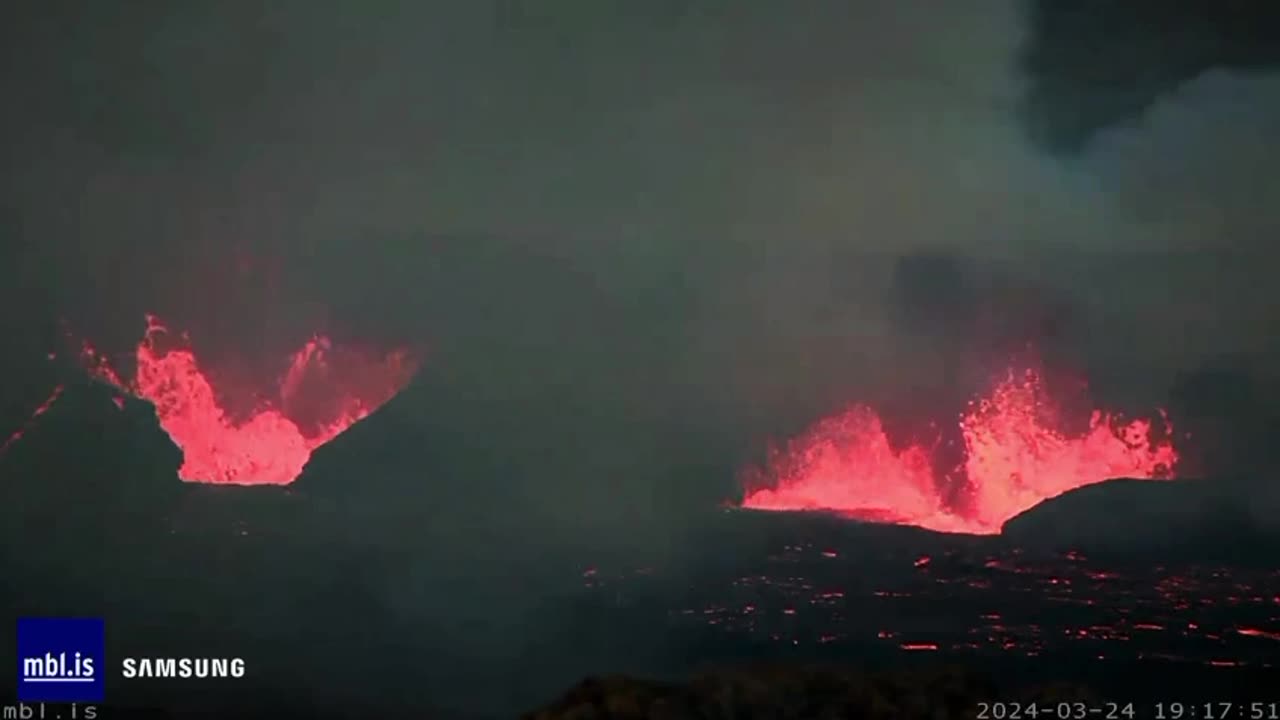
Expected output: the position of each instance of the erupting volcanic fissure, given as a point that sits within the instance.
(1016, 455)
(323, 391)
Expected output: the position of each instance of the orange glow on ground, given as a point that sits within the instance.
(1015, 457)
(323, 391)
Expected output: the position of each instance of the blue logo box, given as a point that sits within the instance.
(61, 659)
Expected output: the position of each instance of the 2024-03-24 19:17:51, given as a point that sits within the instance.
(1128, 711)
(1217, 711)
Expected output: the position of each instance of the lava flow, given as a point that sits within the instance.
(323, 391)
(1015, 457)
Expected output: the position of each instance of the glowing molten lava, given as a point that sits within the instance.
(1015, 457)
(323, 391)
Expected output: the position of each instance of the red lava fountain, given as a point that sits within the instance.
(1015, 457)
(323, 391)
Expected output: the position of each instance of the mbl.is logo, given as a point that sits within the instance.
(61, 659)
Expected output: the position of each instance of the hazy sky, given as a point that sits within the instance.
(725, 166)
(618, 124)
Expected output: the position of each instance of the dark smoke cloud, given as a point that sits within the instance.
(1198, 169)
(1194, 177)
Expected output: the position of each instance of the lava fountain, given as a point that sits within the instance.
(323, 391)
(1015, 457)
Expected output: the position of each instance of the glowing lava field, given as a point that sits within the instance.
(831, 593)
(1016, 456)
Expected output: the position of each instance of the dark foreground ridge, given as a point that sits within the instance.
(93, 453)
(787, 692)
(1231, 517)
(830, 692)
